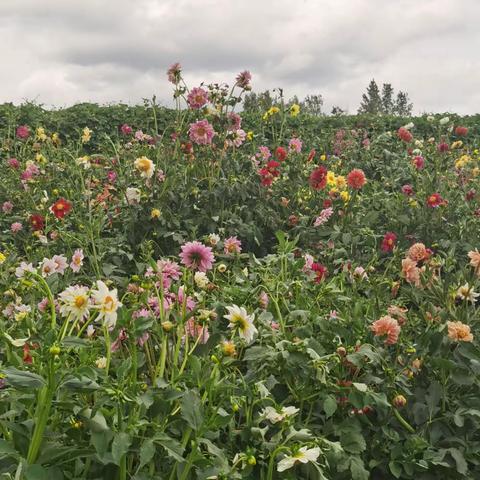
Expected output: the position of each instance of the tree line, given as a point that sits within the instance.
(374, 101)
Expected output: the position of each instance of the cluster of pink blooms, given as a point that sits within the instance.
(325, 214)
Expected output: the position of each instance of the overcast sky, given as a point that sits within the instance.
(59, 52)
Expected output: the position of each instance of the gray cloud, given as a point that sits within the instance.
(61, 52)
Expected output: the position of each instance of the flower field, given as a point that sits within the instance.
(197, 294)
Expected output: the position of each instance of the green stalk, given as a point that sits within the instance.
(106, 334)
(45, 397)
(403, 422)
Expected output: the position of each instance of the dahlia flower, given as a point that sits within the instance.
(197, 256)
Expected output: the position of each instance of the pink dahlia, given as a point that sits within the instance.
(201, 132)
(197, 98)
(23, 131)
(295, 145)
(197, 256)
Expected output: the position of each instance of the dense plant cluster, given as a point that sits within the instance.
(208, 295)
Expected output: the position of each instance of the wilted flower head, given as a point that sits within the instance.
(474, 256)
(243, 79)
(174, 73)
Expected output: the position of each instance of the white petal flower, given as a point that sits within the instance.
(243, 322)
(304, 455)
(106, 301)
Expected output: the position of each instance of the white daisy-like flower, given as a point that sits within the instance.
(304, 455)
(75, 301)
(243, 322)
(106, 302)
(23, 268)
(145, 166)
(466, 292)
(48, 267)
(275, 416)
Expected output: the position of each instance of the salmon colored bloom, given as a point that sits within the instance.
(461, 131)
(61, 207)
(474, 256)
(459, 332)
(232, 245)
(404, 134)
(386, 326)
(356, 179)
(418, 252)
(410, 271)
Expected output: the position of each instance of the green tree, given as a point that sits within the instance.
(403, 106)
(371, 101)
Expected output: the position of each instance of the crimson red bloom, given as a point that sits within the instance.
(461, 131)
(269, 172)
(61, 207)
(27, 358)
(281, 154)
(404, 134)
(37, 222)
(443, 147)
(356, 179)
(327, 203)
(470, 195)
(318, 178)
(388, 242)
(311, 155)
(320, 271)
(435, 200)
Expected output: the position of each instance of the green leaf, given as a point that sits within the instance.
(7, 449)
(192, 409)
(462, 466)
(147, 451)
(357, 469)
(82, 384)
(36, 472)
(395, 468)
(23, 379)
(172, 446)
(353, 442)
(330, 406)
(121, 443)
(361, 387)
